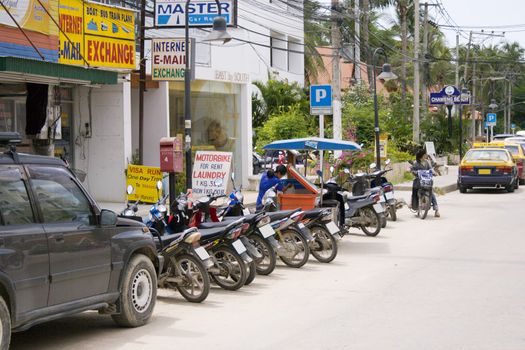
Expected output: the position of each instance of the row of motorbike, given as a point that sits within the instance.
(229, 245)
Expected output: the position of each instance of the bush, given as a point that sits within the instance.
(290, 123)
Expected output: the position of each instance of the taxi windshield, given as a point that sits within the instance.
(484, 154)
(513, 150)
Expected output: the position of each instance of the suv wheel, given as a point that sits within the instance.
(138, 292)
(5, 325)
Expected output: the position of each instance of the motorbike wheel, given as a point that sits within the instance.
(424, 206)
(195, 285)
(383, 220)
(369, 214)
(296, 244)
(324, 247)
(232, 269)
(266, 264)
(392, 212)
(251, 271)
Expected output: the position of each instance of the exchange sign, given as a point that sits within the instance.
(168, 58)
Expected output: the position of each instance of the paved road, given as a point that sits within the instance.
(451, 283)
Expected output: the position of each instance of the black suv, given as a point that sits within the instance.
(61, 254)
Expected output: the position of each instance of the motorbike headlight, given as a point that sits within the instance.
(162, 209)
(129, 212)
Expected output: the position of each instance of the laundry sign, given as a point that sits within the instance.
(168, 58)
(211, 173)
(171, 13)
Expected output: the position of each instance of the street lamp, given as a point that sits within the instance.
(218, 33)
(386, 74)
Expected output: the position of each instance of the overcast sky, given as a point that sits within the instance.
(490, 14)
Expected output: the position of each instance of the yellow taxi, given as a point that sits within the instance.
(487, 165)
(518, 154)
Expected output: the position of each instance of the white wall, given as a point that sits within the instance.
(156, 121)
(103, 155)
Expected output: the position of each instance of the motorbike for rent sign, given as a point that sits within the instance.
(168, 58)
(211, 173)
(144, 180)
(171, 13)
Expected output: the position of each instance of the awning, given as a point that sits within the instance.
(22, 69)
(313, 144)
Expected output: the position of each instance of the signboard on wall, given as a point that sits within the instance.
(37, 25)
(144, 181)
(103, 35)
(171, 13)
(168, 58)
(211, 173)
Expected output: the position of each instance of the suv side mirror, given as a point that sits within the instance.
(108, 218)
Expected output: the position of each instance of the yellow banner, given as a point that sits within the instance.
(108, 52)
(144, 181)
(111, 22)
(102, 35)
(31, 15)
(72, 24)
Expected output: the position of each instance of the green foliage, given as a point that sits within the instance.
(289, 122)
(274, 95)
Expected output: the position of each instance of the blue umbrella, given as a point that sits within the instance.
(313, 144)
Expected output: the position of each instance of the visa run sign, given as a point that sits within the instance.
(171, 13)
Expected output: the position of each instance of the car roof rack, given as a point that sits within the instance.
(11, 139)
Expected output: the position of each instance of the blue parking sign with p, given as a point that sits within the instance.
(320, 99)
(491, 119)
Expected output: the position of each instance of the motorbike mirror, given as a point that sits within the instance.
(218, 182)
(387, 161)
(361, 145)
(159, 185)
(347, 171)
(332, 169)
(373, 165)
(233, 176)
(130, 189)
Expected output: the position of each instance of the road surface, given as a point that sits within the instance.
(457, 282)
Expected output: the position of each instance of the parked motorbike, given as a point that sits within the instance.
(185, 261)
(360, 211)
(231, 260)
(361, 185)
(378, 179)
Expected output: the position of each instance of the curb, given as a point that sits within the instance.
(439, 190)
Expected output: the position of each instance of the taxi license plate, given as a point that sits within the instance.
(484, 171)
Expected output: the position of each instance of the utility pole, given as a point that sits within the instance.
(415, 125)
(509, 103)
(425, 63)
(142, 79)
(357, 48)
(336, 72)
(457, 69)
(466, 58)
(473, 104)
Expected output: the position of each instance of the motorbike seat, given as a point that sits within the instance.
(282, 214)
(313, 213)
(218, 231)
(357, 198)
(167, 239)
(250, 218)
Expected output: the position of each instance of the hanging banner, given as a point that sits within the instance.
(171, 13)
(103, 35)
(211, 173)
(30, 15)
(144, 181)
(168, 59)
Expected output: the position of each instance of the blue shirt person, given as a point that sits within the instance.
(269, 179)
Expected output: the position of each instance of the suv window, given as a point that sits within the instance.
(15, 207)
(59, 197)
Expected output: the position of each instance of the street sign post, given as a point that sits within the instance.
(321, 104)
(491, 122)
(320, 99)
(513, 127)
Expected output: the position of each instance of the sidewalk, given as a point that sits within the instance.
(442, 184)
